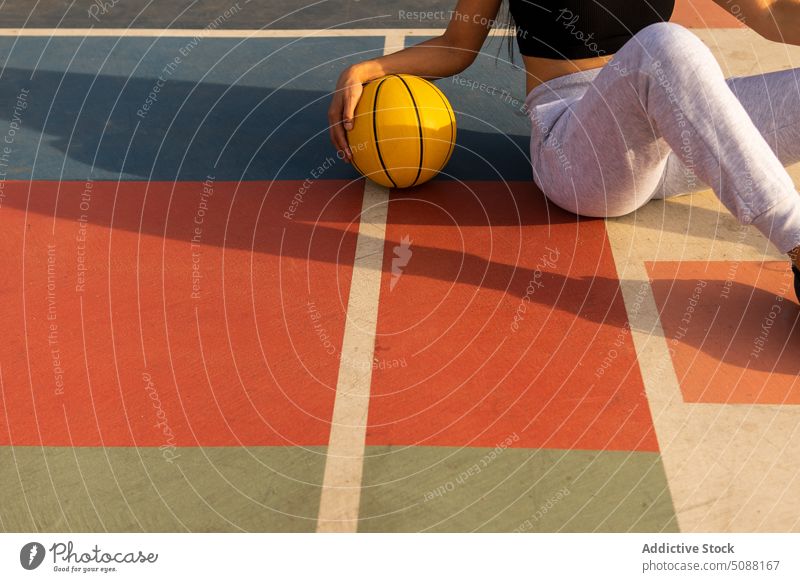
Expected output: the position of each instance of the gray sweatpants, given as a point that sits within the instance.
(660, 120)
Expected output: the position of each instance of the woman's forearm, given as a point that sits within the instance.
(431, 59)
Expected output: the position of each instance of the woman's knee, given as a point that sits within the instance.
(671, 44)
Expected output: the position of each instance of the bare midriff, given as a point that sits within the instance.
(540, 70)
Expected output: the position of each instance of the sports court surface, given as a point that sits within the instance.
(210, 323)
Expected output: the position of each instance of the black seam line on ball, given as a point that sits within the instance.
(449, 116)
(419, 126)
(375, 132)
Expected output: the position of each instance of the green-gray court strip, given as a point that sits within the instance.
(266, 489)
(454, 490)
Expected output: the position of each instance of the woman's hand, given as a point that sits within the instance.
(340, 114)
(435, 58)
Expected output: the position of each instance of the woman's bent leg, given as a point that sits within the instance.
(665, 92)
(772, 101)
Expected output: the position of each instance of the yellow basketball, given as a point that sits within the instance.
(404, 131)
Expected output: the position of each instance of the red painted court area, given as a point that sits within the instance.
(499, 323)
(503, 318)
(136, 349)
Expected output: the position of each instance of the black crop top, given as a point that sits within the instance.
(575, 29)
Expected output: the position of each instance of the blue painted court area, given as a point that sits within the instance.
(184, 108)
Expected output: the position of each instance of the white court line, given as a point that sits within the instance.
(233, 33)
(344, 465)
(341, 485)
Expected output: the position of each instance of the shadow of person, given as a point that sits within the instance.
(730, 318)
(258, 138)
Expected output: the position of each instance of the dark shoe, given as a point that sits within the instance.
(796, 281)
